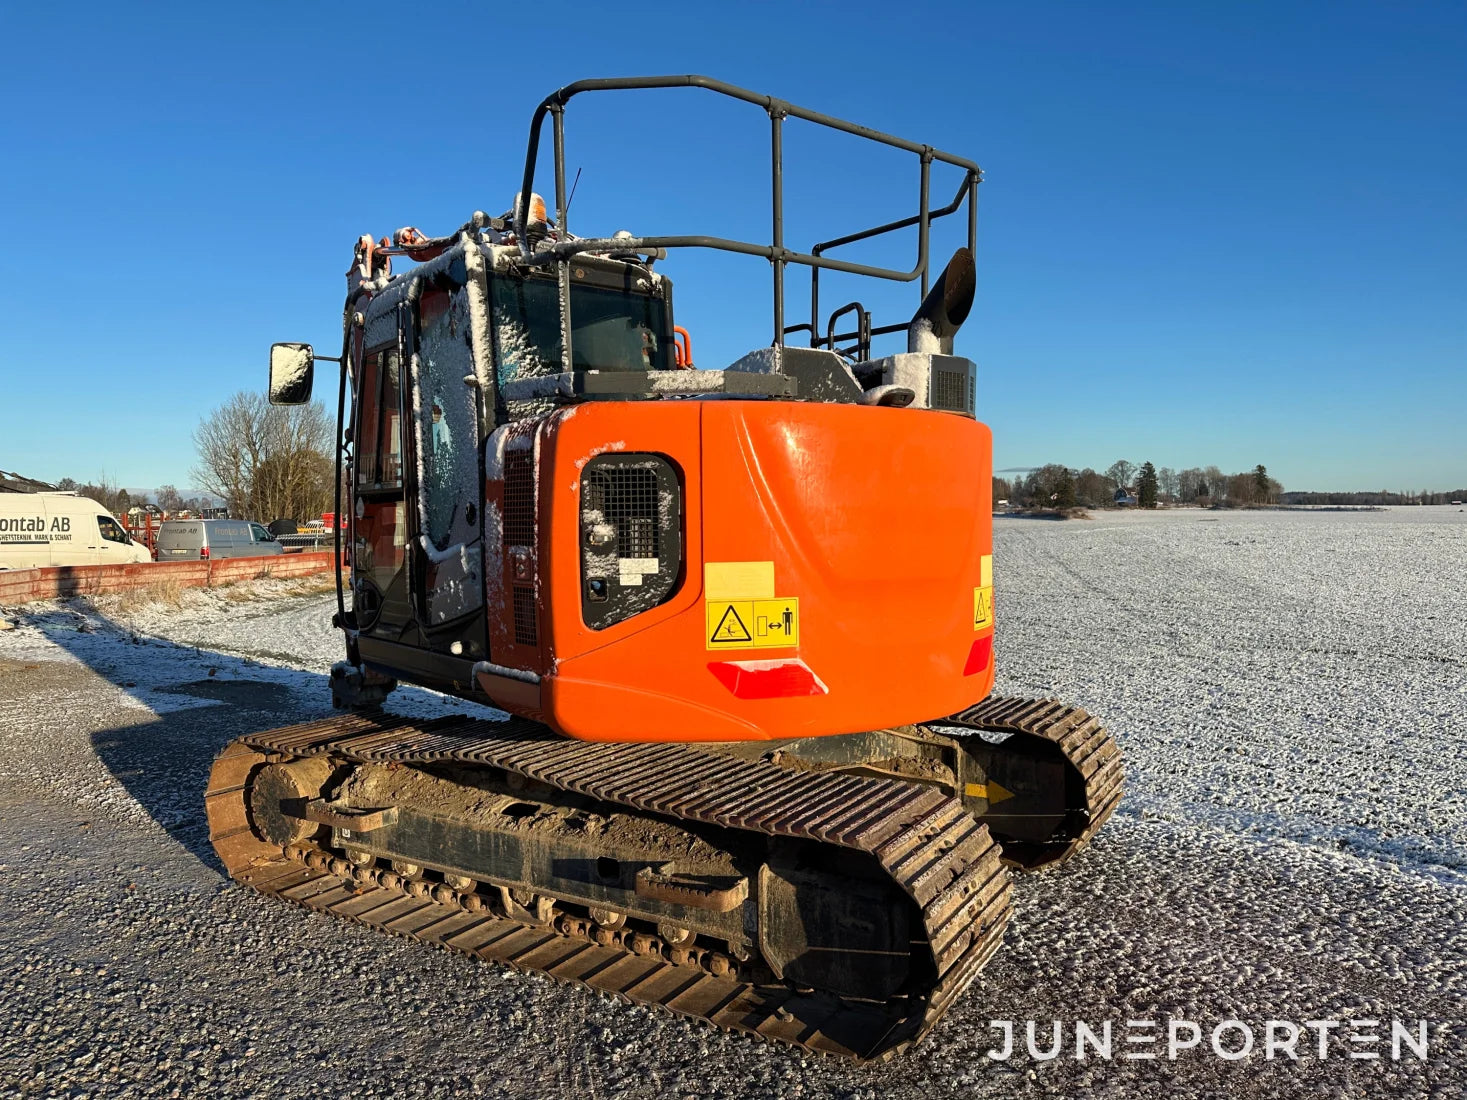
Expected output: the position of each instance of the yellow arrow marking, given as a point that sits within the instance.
(994, 792)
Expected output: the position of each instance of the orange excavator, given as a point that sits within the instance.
(739, 624)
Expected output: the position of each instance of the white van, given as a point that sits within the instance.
(214, 539)
(41, 529)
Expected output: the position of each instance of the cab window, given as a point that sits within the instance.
(112, 530)
(260, 534)
(612, 330)
(447, 420)
(379, 426)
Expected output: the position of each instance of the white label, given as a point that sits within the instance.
(637, 565)
(634, 579)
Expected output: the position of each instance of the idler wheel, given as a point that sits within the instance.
(279, 795)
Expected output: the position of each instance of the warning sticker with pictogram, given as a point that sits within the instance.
(752, 624)
(982, 608)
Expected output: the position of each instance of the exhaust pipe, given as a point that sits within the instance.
(945, 308)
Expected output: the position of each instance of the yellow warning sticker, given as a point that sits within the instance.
(738, 580)
(982, 607)
(752, 624)
(985, 571)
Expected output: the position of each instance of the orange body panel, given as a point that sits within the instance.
(877, 520)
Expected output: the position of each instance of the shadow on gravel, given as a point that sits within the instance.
(163, 764)
(207, 699)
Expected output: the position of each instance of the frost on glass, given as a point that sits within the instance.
(612, 330)
(446, 419)
(290, 374)
(447, 423)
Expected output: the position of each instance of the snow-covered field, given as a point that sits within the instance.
(1290, 690)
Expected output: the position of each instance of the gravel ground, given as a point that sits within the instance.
(1288, 687)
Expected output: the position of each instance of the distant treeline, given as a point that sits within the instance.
(1125, 483)
(1382, 497)
(106, 492)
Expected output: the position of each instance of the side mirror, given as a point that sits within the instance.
(291, 368)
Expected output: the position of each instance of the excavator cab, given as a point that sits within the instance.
(740, 621)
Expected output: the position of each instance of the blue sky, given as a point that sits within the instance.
(1209, 233)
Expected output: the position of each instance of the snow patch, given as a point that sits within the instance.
(489, 668)
(289, 365)
(619, 445)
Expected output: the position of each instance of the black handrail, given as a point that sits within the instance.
(559, 252)
(967, 189)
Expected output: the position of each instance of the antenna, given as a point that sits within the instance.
(572, 197)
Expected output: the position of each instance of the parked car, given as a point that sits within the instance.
(41, 529)
(213, 539)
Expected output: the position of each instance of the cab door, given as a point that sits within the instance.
(448, 568)
(381, 599)
(113, 545)
(262, 542)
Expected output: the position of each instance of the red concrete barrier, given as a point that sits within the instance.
(24, 585)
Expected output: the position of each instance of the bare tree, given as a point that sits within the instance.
(1092, 490)
(1167, 481)
(1188, 482)
(266, 461)
(1241, 490)
(1051, 486)
(105, 492)
(1120, 473)
(168, 498)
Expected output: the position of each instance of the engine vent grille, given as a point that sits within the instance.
(631, 536)
(950, 389)
(525, 630)
(626, 497)
(519, 498)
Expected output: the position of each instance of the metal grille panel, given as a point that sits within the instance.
(525, 627)
(627, 498)
(950, 390)
(631, 536)
(519, 498)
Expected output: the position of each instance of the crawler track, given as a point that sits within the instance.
(924, 838)
(1092, 755)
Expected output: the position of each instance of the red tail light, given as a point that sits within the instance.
(789, 676)
(979, 656)
(203, 553)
